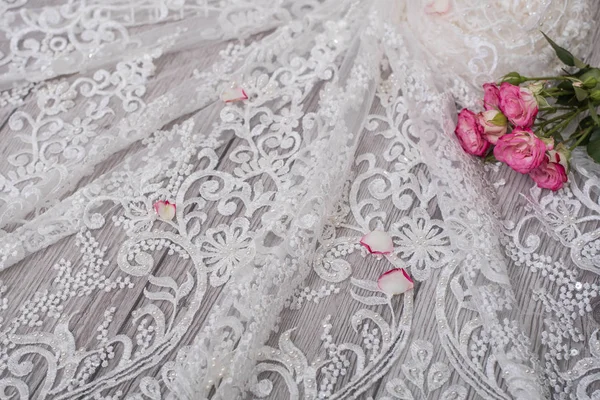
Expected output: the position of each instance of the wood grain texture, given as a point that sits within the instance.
(36, 273)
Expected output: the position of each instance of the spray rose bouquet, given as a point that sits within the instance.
(525, 120)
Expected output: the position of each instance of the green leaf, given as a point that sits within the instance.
(565, 85)
(557, 137)
(592, 137)
(590, 82)
(548, 110)
(513, 78)
(566, 100)
(593, 150)
(589, 76)
(542, 102)
(579, 73)
(586, 123)
(563, 54)
(499, 120)
(568, 97)
(582, 126)
(591, 72)
(593, 113)
(579, 64)
(580, 93)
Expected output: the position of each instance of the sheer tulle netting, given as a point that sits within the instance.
(258, 288)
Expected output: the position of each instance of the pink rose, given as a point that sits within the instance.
(549, 175)
(521, 150)
(518, 104)
(493, 123)
(491, 97)
(469, 133)
(560, 155)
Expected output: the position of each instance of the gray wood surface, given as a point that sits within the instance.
(36, 273)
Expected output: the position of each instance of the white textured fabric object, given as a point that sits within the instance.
(163, 236)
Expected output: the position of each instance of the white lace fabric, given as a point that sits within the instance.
(259, 288)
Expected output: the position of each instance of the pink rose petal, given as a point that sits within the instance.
(470, 133)
(549, 175)
(378, 242)
(560, 155)
(395, 281)
(518, 104)
(491, 98)
(522, 150)
(233, 94)
(165, 209)
(437, 7)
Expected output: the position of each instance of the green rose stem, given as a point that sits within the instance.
(555, 108)
(546, 122)
(563, 124)
(548, 78)
(556, 92)
(584, 135)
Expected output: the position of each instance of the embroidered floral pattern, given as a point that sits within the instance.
(227, 248)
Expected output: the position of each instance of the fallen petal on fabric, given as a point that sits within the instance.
(165, 209)
(438, 7)
(395, 281)
(234, 94)
(378, 242)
